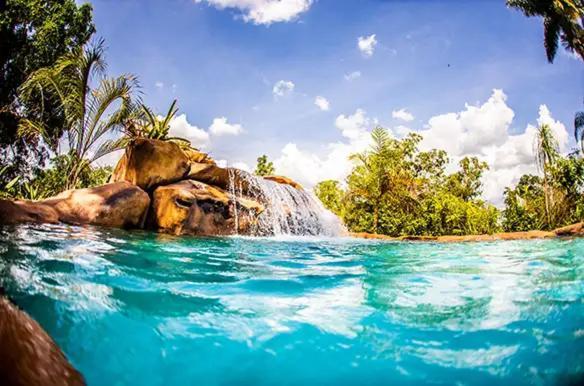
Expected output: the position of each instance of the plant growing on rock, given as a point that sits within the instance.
(264, 167)
(90, 113)
(144, 123)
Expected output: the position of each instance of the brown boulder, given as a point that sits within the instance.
(18, 212)
(211, 174)
(148, 163)
(29, 355)
(193, 207)
(285, 181)
(571, 230)
(197, 156)
(118, 204)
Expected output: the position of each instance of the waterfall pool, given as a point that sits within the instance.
(138, 308)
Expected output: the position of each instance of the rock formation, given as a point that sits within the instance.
(29, 356)
(160, 186)
(193, 207)
(119, 204)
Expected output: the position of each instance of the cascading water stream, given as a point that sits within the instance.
(288, 211)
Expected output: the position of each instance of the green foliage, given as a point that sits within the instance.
(579, 129)
(51, 181)
(466, 183)
(395, 189)
(553, 201)
(33, 34)
(331, 195)
(144, 123)
(524, 205)
(90, 112)
(7, 189)
(562, 21)
(264, 167)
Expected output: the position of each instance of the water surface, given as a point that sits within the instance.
(136, 308)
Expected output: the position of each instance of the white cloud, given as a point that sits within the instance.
(242, 166)
(264, 11)
(220, 127)
(159, 84)
(322, 103)
(353, 75)
(402, 114)
(200, 138)
(353, 126)
(283, 87)
(180, 127)
(482, 130)
(309, 169)
(367, 44)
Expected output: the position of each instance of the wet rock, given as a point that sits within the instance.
(285, 181)
(19, 212)
(571, 230)
(148, 163)
(193, 207)
(196, 156)
(29, 356)
(119, 204)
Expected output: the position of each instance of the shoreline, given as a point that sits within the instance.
(574, 230)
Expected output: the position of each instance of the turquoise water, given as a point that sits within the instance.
(144, 309)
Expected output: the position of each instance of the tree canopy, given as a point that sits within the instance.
(33, 35)
(395, 189)
(264, 167)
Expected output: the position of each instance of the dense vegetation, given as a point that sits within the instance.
(57, 101)
(395, 189)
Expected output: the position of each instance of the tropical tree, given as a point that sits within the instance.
(33, 35)
(546, 154)
(579, 129)
(331, 195)
(264, 167)
(90, 113)
(144, 123)
(396, 189)
(466, 183)
(562, 21)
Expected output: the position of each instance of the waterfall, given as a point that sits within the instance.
(288, 211)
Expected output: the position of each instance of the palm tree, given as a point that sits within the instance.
(90, 112)
(546, 153)
(562, 20)
(143, 123)
(579, 128)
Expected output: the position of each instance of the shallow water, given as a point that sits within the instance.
(139, 308)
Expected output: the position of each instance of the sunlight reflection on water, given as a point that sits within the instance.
(239, 310)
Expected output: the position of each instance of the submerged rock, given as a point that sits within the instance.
(148, 163)
(29, 356)
(196, 208)
(118, 204)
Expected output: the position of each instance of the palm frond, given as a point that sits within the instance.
(579, 128)
(551, 36)
(108, 147)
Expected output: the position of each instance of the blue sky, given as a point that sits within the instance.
(438, 60)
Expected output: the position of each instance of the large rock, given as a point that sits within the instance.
(193, 207)
(148, 163)
(284, 181)
(29, 355)
(571, 230)
(212, 174)
(119, 204)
